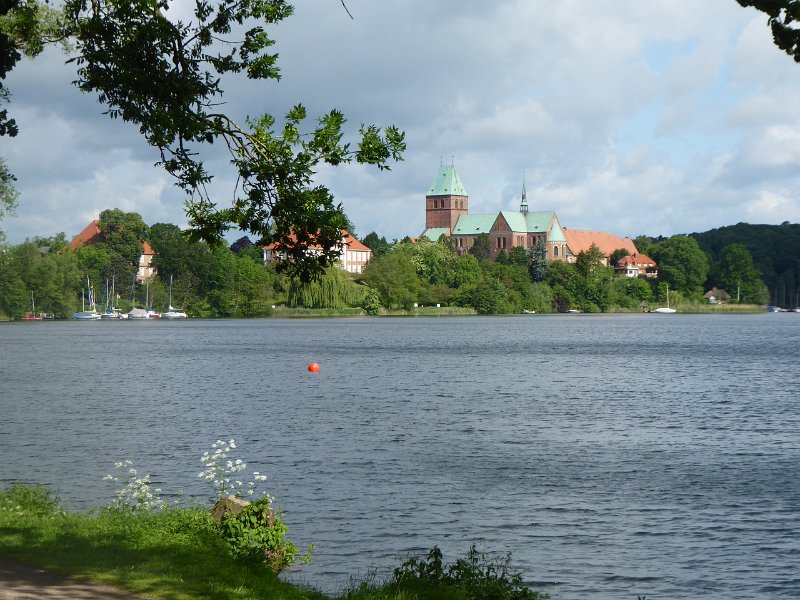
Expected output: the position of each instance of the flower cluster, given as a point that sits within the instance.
(136, 495)
(221, 471)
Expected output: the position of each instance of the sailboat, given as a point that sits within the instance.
(173, 313)
(111, 312)
(91, 314)
(135, 313)
(666, 310)
(31, 314)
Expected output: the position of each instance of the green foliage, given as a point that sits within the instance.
(539, 263)
(334, 289)
(8, 193)
(775, 250)
(394, 276)
(122, 233)
(681, 263)
(588, 262)
(616, 256)
(178, 552)
(259, 533)
(372, 303)
(379, 246)
(165, 76)
(736, 274)
(784, 16)
(481, 247)
(32, 500)
(519, 256)
(474, 575)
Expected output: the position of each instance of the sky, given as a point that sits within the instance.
(653, 117)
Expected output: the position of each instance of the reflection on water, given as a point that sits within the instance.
(612, 455)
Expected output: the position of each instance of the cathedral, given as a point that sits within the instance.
(447, 213)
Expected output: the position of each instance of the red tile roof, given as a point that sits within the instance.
(90, 235)
(351, 242)
(635, 259)
(580, 240)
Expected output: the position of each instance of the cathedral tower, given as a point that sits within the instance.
(446, 200)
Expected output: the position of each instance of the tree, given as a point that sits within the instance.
(481, 247)
(8, 193)
(735, 273)
(519, 256)
(242, 243)
(589, 261)
(165, 75)
(783, 19)
(616, 256)
(681, 263)
(379, 246)
(395, 278)
(123, 233)
(538, 268)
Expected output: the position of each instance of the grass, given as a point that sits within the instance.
(177, 554)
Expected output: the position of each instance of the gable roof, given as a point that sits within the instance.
(434, 233)
(90, 235)
(347, 239)
(474, 224)
(534, 222)
(580, 240)
(635, 259)
(447, 183)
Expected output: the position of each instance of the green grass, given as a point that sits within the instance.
(177, 554)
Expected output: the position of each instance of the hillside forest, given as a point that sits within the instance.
(755, 264)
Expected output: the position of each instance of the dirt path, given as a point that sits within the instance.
(22, 582)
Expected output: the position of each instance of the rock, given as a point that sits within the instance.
(231, 504)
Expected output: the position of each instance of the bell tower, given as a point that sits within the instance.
(446, 199)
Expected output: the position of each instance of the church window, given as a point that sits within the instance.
(555, 250)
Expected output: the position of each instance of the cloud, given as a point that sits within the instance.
(630, 117)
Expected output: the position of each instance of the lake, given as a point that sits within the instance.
(611, 455)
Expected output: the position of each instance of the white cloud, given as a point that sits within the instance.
(625, 116)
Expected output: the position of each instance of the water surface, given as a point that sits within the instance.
(612, 455)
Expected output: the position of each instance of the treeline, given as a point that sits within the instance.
(207, 282)
(775, 250)
(234, 282)
(430, 272)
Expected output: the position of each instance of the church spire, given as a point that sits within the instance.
(523, 206)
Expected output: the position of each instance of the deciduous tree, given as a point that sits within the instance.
(783, 17)
(165, 75)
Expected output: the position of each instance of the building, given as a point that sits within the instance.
(635, 265)
(353, 257)
(447, 213)
(91, 235)
(717, 296)
(581, 240)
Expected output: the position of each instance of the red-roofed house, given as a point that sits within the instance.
(88, 237)
(354, 255)
(92, 235)
(580, 240)
(635, 264)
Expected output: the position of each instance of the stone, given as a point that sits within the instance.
(231, 504)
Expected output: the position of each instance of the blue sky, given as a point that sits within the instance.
(632, 117)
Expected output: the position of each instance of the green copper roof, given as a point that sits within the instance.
(556, 234)
(434, 233)
(532, 222)
(474, 224)
(447, 183)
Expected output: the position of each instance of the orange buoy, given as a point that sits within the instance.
(313, 367)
